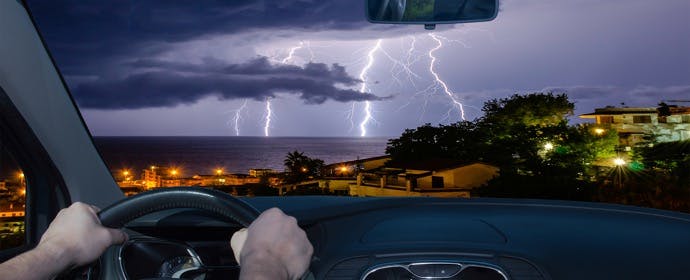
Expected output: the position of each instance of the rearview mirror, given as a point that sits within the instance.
(431, 12)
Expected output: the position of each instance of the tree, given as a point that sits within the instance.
(300, 168)
(527, 136)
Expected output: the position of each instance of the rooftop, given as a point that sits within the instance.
(674, 110)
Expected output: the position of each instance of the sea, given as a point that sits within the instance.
(203, 155)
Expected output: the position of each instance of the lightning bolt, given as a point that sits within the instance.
(365, 89)
(291, 53)
(269, 111)
(238, 117)
(438, 82)
(267, 119)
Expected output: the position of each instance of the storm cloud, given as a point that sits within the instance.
(168, 84)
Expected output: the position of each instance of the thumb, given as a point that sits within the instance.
(237, 243)
(116, 236)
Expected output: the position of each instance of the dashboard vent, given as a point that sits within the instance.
(349, 269)
(519, 269)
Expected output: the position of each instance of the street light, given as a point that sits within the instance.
(173, 172)
(219, 171)
(599, 131)
(304, 169)
(548, 146)
(619, 162)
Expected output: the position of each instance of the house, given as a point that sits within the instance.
(351, 168)
(221, 180)
(636, 125)
(337, 177)
(434, 178)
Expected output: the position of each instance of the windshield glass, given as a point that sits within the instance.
(574, 100)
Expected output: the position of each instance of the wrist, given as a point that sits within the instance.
(263, 265)
(58, 252)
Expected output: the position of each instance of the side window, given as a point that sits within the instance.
(642, 119)
(12, 201)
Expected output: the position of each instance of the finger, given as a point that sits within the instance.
(116, 236)
(95, 208)
(237, 243)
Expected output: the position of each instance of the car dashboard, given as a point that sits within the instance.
(421, 238)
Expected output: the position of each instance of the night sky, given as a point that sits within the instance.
(187, 67)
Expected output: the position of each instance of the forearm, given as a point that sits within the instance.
(43, 262)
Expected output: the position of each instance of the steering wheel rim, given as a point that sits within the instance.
(216, 202)
(223, 204)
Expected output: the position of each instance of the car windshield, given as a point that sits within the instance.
(570, 100)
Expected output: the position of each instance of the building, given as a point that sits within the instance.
(351, 168)
(259, 172)
(221, 180)
(434, 178)
(337, 177)
(636, 125)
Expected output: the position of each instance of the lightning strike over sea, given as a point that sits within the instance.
(365, 89)
(269, 111)
(439, 82)
(267, 119)
(238, 117)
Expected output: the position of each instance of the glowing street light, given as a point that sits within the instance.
(619, 162)
(304, 169)
(219, 171)
(599, 131)
(344, 169)
(548, 146)
(173, 172)
(21, 175)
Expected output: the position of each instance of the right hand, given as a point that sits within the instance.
(275, 239)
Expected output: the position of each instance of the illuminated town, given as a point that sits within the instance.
(624, 142)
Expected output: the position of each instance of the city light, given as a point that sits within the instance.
(304, 169)
(619, 162)
(548, 146)
(153, 167)
(21, 175)
(599, 131)
(344, 169)
(173, 172)
(219, 171)
(125, 173)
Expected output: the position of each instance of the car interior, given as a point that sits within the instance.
(183, 233)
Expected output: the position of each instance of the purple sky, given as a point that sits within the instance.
(186, 68)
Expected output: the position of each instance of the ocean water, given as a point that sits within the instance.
(202, 155)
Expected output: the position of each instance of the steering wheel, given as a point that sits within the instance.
(216, 202)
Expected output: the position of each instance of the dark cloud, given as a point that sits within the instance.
(157, 83)
(79, 32)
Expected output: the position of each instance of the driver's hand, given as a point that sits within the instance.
(275, 248)
(76, 232)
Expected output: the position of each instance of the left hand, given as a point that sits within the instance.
(77, 234)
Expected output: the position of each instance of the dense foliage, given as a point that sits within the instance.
(527, 136)
(299, 167)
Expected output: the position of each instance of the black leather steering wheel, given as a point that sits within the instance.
(216, 202)
(225, 205)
